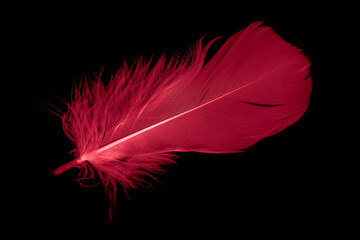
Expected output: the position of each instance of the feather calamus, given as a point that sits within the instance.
(256, 85)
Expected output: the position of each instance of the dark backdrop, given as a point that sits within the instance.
(280, 179)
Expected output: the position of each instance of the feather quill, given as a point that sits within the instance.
(256, 85)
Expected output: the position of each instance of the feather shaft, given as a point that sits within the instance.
(66, 166)
(75, 162)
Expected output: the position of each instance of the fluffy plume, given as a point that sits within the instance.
(253, 87)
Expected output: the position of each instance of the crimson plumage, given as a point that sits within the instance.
(256, 85)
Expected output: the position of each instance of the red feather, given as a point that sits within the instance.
(255, 86)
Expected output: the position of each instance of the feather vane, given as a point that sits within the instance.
(256, 85)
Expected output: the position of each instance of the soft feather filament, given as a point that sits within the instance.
(256, 85)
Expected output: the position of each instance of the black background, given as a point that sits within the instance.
(283, 179)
